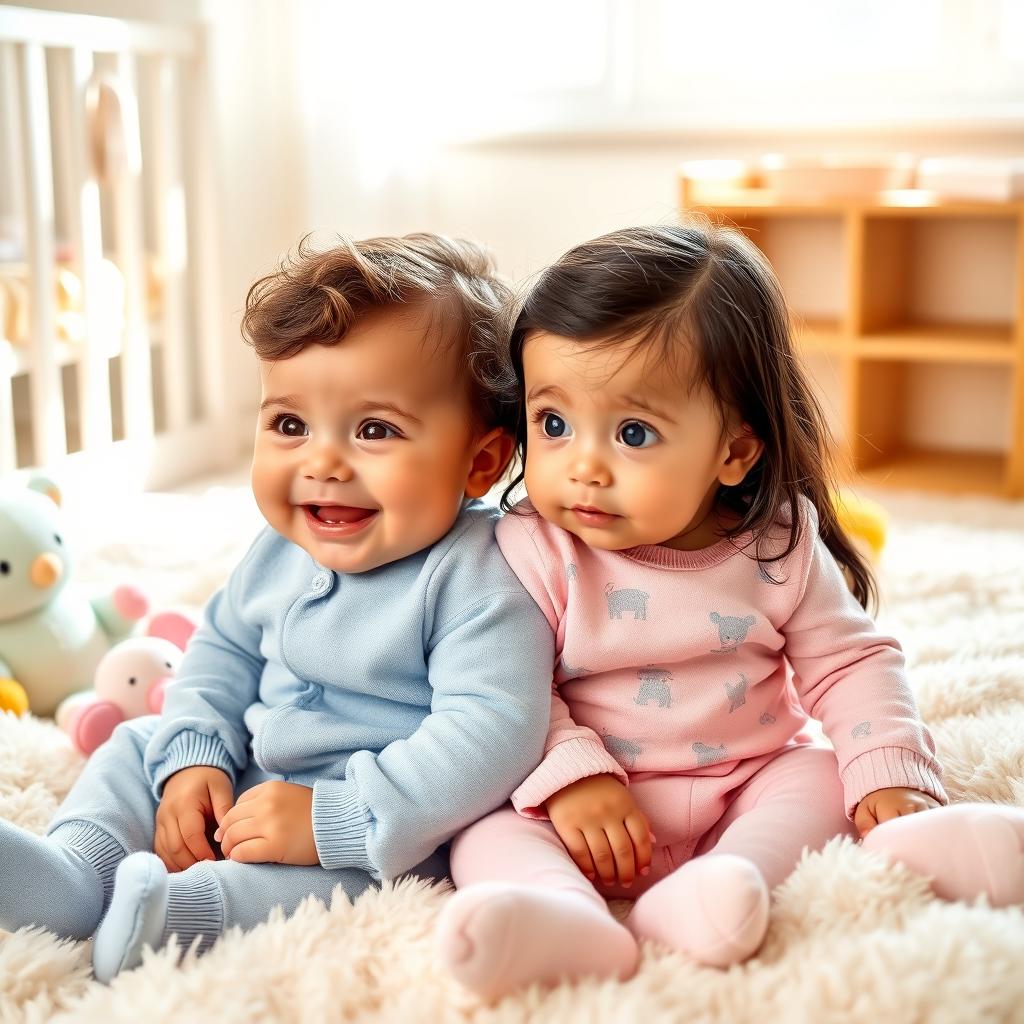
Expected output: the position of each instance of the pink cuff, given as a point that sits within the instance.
(887, 768)
(566, 762)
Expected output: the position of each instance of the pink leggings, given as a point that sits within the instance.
(768, 812)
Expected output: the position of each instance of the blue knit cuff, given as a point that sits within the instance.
(95, 844)
(195, 907)
(341, 822)
(187, 750)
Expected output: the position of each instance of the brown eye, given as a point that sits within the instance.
(290, 426)
(376, 430)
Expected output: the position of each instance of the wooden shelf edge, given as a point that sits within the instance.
(938, 471)
(893, 202)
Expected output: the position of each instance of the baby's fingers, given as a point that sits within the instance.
(640, 833)
(178, 852)
(601, 852)
(622, 849)
(576, 845)
(160, 849)
(193, 832)
(864, 818)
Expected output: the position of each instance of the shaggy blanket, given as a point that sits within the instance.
(850, 940)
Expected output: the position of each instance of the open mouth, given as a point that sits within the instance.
(335, 515)
(334, 522)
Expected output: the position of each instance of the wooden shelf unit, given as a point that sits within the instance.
(879, 344)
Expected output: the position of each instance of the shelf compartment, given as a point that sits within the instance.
(826, 371)
(960, 271)
(914, 417)
(808, 253)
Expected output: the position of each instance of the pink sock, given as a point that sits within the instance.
(495, 937)
(714, 909)
(965, 849)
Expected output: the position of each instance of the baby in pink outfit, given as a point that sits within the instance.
(680, 540)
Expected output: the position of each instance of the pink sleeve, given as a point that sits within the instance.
(851, 678)
(571, 751)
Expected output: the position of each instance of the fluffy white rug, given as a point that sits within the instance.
(851, 940)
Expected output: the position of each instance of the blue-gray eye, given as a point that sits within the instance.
(555, 426)
(635, 434)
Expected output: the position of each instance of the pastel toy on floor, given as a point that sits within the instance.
(131, 680)
(52, 632)
(676, 458)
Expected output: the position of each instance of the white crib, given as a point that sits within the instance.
(111, 335)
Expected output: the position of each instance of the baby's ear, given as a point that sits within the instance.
(744, 451)
(493, 453)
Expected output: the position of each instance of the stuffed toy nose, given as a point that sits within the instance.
(46, 570)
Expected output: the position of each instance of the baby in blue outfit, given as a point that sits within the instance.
(371, 679)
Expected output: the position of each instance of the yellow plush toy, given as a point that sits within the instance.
(863, 520)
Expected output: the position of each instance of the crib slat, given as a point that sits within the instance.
(127, 201)
(167, 191)
(12, 191)
(86, 235)
(204, 250)
(44, 376)
(8, 445)
(11, 203)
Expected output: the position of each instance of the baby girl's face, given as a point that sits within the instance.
(618, 452)
(363, 449)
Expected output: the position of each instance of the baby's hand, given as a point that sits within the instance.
(191, 798)
(602, 828)
(272, 822)
(883, 804)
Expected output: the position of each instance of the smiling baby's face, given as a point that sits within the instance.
(365, 448)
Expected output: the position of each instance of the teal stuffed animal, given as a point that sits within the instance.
(52, 634)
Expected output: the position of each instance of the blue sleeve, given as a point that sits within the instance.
(202, 718)
(490, 672)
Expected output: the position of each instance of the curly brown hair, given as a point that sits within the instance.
(314, 297)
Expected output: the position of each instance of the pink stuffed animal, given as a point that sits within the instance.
(130, 681)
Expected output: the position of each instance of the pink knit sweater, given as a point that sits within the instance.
(688, 662)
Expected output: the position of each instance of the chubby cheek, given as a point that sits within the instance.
(417, 493)
(270, 487)
(542, 480)
(664, 501)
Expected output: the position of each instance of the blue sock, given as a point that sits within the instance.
(58, 882)
(148, 906)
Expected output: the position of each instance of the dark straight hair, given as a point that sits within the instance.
(706, 290)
